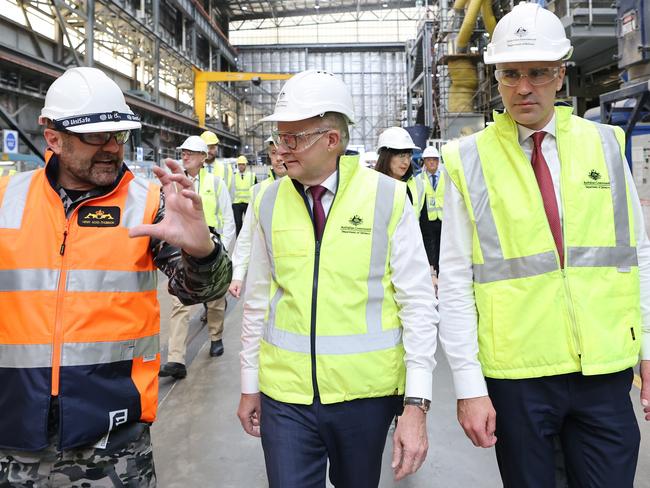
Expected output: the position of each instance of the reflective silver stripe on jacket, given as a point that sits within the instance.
(78, 353)
(86, 353)
(38, 279)
(136, 202)
(111, 281)
(78, 280)
(25, 355)
(496, 268)
(14, 200)
(375, 339)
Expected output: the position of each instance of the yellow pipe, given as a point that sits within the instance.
(464, 82)
(489, 19)
(469, 22)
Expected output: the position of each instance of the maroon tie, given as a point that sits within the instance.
(317, 193)
(545, 182)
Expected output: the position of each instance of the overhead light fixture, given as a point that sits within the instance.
(244, 7)
(384, 5)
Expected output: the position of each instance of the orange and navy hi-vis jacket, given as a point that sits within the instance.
(80, 316)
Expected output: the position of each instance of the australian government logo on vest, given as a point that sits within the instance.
(355, 226)
(594, 181)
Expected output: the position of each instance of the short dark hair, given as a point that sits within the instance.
(383, 161)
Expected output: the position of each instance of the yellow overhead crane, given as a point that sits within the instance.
(202, 78)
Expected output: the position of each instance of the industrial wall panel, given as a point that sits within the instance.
(377, 80)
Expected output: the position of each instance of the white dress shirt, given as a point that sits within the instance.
(223, 203)
(414, 295)
(458, 322)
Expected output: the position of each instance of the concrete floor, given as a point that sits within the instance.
(198, 440)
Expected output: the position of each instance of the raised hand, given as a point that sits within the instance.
(184, 223)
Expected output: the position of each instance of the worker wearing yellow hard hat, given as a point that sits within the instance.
(212, 165)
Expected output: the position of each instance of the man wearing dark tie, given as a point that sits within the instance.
(545, 274)
(339, 326)
(431, 218)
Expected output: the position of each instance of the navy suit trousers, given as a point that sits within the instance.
(299, 439)
(591, 415)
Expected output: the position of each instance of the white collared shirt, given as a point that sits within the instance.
(413, 293)
(458, 329)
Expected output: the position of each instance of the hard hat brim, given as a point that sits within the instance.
(399, 147)
(105, 127)
(525, 57)
(295, 116)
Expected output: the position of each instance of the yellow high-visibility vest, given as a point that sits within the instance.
(536, 319)
(358, 347)
(243, 183)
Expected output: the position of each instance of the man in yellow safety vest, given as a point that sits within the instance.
(545, 274)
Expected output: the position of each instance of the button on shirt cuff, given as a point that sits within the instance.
(250, 381)
(469, 384)
(418, 383)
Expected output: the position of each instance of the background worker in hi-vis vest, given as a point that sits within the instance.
(431, 216)
(218, 215)
(213, 165)
(80, 241)
(545, 274)
(339, 325)
(244, 181)
(242, 252)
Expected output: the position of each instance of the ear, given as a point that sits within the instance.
(54, 140)
(560, 78)
(333, 139)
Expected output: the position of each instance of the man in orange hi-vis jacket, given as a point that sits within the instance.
(80, 241)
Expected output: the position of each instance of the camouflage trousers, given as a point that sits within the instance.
(125, 462)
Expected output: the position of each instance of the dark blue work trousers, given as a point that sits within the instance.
(298, 440)
(592, 416)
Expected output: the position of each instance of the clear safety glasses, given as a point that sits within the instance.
(300, 141)
(536, 76)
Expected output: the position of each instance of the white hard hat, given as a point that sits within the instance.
(194, 143)
(269, 140)
(430, 152)
(85, 100)
(312, 93)
(395, 138)
(528, 33)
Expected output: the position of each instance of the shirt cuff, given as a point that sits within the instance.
(645, 346)
(250, 381)
(419, 383)
(238, 273)
(469, 384)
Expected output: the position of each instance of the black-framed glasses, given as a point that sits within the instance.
(102, 138)
(297, 142)
(536, 76)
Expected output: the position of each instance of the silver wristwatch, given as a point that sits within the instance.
(422, 403)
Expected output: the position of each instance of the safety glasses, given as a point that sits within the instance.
(536, 76)
(102, 138)
(300, 141)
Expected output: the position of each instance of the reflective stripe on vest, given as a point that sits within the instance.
(13, 203)
(78, 280)
(496, 268)
(78, 353)
(136, 203)
(374, 339)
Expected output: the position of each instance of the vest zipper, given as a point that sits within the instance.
(565, 280)
(58, 320)
(57, 340)
(314, 290)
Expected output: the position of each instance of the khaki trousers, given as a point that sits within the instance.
(179, 325)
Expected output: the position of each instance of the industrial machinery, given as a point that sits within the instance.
(202, 78)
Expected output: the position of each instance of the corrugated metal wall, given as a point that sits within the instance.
(376, 76)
